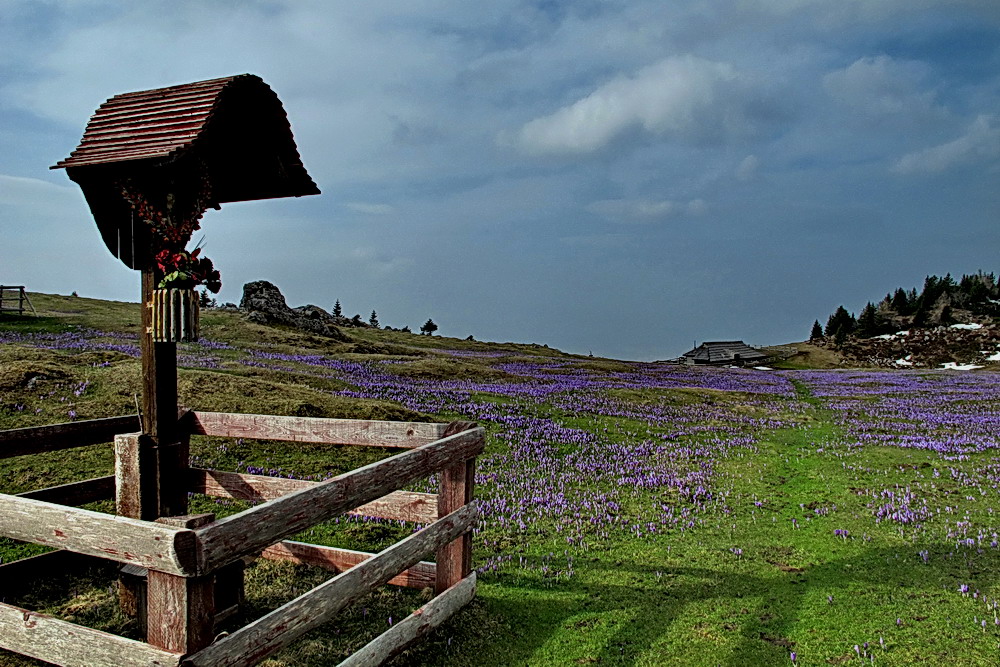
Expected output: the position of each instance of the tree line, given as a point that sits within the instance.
(978, 295)
(428, 328)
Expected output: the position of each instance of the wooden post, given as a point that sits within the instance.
(151, 468)
(180, 611)
(457, 485)
(167, 450)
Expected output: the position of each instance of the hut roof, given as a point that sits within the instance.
(216, 141)
(236, 124)
(723, 352)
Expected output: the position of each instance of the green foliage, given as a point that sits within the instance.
(429, 327)
(840, 324)
(338, 310)
(936, 302)
(817, 331)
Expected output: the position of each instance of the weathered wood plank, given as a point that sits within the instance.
(454, 560)
(416, 625)
(281, 627)
(150, 478)
(256, 488)
(71, 645)
(180, 610)
(128, 470)
(76, 493)
(402, 506)
(420, 575)
(254, 529)
(37, 439)
(457, 486)
(316, 429)
(398, 505)
(117, 538)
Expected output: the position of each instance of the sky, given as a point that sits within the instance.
(622, 178)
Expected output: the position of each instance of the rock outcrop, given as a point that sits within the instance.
(263, 303)
(924, 348)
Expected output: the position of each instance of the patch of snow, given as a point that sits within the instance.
(902, 333)
(885, 336)
(993, 357)
(970, 327)
(952, 366)
(903, 362)
(762, 368)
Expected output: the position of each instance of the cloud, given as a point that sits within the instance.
(38, 195)
(747, 169)
(880, 85)
(981, 142)
(684, 97)
(370, 209)
(644, 210)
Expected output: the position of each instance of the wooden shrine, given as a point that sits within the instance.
(150, 163)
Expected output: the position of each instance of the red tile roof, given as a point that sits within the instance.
(229, 137)
(235, 124)
(148, 123)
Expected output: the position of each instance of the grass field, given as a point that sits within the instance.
(633, 514)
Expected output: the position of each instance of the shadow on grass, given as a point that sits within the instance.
(28, 324)
(752, 623)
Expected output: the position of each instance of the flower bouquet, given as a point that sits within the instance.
(186, 270)
(175, 304)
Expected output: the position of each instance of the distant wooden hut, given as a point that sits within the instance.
(723, 353)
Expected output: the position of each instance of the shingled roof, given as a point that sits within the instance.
(723, 352)
(231, 133)
(235, 122)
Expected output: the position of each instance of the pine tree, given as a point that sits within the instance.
(920, 314)
(901, 302)
(841, 320)
(817, 331)
(868, 321)
(337, 310)
(429, 327)
(373, 320)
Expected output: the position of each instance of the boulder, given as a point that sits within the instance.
(263, 303)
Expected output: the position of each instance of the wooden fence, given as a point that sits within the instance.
(10, 294)
(184, 559)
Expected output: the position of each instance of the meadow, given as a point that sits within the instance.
(632, 513)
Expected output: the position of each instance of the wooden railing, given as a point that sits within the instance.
(182, 557)
(20, 297)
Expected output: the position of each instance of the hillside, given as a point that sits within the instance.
(631, 513)
(948, 323)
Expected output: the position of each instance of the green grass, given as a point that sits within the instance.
(760, 575)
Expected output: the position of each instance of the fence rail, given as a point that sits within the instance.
(21, 298)
(186, 561)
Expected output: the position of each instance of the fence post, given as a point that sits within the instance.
(180, 611)
(456, 489)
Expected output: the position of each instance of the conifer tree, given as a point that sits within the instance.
(868, 321)
(337, 310)
(841, 320)
(429, 327)
(817, 331)
(900, 302)
(373, 320)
